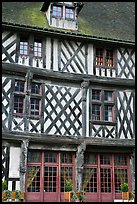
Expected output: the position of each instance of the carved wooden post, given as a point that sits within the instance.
(84, 86)
(79, 165)
(132, 167)
(23, 163)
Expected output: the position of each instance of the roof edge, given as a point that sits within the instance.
(68, 33)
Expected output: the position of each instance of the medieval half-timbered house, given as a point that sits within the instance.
(68, 98)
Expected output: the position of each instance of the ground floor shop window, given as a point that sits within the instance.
(47, 172)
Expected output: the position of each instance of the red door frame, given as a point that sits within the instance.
(39, 196)
(98, 196)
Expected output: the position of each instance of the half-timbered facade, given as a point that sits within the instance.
(68, 98)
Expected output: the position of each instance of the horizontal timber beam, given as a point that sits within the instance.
(14, 69)
(75, 140)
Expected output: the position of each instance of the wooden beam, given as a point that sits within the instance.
(41, 137)
(14, 69)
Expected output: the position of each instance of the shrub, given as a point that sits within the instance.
(124, 187)
(4, 185)
(68, 185)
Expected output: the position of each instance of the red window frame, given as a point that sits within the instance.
(69, 13)
(104, 57)
(19, 95)
(101, 106)
(36, 87)
(57, 11)
(18, 84)
(19, 104)
(109, 58)
(35, 107)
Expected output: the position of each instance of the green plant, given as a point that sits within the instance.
(18, 194)
(8, 194)
(4, 185)
(68, 185)
(75, 196)
(81, 195)
(124, 187)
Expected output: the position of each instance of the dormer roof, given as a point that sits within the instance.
(45, 5)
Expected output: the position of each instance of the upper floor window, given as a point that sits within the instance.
(37, 48)
(57, 11)
(36, 88)
(69, 13)
(35, 99)
(19, 96)
(19, 86)
(23, 46)
(104, 57)
(102, 105)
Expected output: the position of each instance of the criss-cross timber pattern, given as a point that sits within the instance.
(73, 57)
(6, 98)
(125, 120)
(63, 110)
(103, 131)
(34, 126)
(126, 63)
(8, 46)
(4, 162)
(18, 124)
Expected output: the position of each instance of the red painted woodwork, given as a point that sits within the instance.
(48, 170)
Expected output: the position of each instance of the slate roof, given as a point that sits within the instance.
(113, 20)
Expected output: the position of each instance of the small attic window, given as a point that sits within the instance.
(57, 11)
(69, 13)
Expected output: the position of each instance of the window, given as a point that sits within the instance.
(69, 13)
(18, 104)
(37, 49)
(34, 104)
(23, 47)
(35, 99)
(104, 57)
(102, 105)
(19, 86)
(35, 88)
(57, 11)
(19, 96)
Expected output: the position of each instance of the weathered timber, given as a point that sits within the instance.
(78, 78)
(68, 139)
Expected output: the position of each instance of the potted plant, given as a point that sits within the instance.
(124, 189)
(4, 188)
(68, 189)
(78, 196)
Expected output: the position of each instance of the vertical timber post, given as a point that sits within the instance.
(79, 165)
(84, 86)
(132, 167)
(23, 164)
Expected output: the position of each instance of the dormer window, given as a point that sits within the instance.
(57, 11)
(69, 13)
(62, 14)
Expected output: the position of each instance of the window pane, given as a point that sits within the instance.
(90, 158)
(108, 95)
(108, 113)
(90, 179)
(104, 159)
(109, 58)
(96, 112)
(95, 94)
(50, 157)
(99, 56)
(66, 157)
